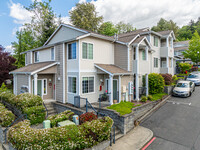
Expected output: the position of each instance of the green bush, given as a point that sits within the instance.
(6, 116)
(158, 96)
(167, 78)
(35, 114)
(156, 83)
(73, 137)
(143, 99)
(8, 97)
(66, 115)
(123, 107)
(149, 97)
(174, 78)
(185, 66)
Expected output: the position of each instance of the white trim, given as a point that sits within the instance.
(79, 67)
(68, 52)
(128, 53)
(111, 89)
(29, 83)
(103, 70)
(43, 68)
(35, 83)
(88, 84)
(145, 38)
(119, 89)
(133, 39)
(55, 86)
(51, 53)
(63, 72)
(38, 56)
(83, 36)
(121, 42)
(31, 55)
(15, 84)
(72, 76)
(25, 59)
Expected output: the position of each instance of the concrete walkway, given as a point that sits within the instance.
(134, 140)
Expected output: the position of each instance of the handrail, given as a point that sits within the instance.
(46, 110)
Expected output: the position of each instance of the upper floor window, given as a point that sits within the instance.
(87, 50)
(52, 54)
(72, 84)
(72, 51)
(36, 56)
(155, 62)
(155, 41)
(143, 55)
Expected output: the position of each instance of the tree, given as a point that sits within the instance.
(194, 49)
(6, 65)
(84, 15)
(107, 28)
(184, 34)
(123, 27)
(185, 66)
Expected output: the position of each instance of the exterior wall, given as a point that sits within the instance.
(103, 53)
(63, 34)
(121, 56)
(44, 55)
(49, 70)
(144, 65)
(22, 79)
(124, 83)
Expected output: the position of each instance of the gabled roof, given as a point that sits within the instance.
(34, 68)
(112, 69)
(167, 33)
(128, 38)
(180, 48)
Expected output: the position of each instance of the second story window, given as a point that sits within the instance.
(36, 56)
(143, 55)
(155, 62)
(52, 54)
(87, 50)
(72, 51)
(155, 41)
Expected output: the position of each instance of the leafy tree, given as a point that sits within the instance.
(194, 49)
(107, 28)
(185, 66)
(84, 15)
(123, 27)
(6, 65)
(184, 34)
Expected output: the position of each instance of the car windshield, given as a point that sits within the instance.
(193, 76)
(182, 85)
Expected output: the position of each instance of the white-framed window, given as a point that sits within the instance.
(72, 84)
(45, 86)
(87, 85)
(87, 50)
(72, 51)
(52, 54)
(143, 55)
(36, 56)
(155, 41)
(155, 62)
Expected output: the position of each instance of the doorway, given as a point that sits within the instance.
(115, 89)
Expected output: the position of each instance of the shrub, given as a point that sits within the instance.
(89, 116)
(6, 116)
(158, 96)
(143, 99)
(156, 83)
(149, 97)
(168, 78)
(174, 78)
(22, 136)
(8, 97)
(3, 88)
(66, 115)
(185, 66)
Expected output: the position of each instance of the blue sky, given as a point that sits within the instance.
(140, 13)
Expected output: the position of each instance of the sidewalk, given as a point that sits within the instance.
(134, 140)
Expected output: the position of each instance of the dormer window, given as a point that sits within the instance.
(52, 54)
(36, 56)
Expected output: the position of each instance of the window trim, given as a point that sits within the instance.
(73, 76)
(82, 85)
(154, 62)
(42, 86)
(68, 51)
(54, 54)
(26, 59)
(87, 50)
(37, 56)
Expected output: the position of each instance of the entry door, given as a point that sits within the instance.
(115, 95)
(39, 88)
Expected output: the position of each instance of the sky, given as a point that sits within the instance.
(140, 13)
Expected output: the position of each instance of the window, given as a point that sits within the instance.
(155, 41)
(72, 84)
(26, 59)
(45, 86)
(72, 51)
(87, 85)
(155, 62)
(36, 56)
(143, 55)
(87, 51)
(52, 54)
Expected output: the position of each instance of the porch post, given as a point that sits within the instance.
(29, 83)
(172, 43)
(167, 42)
(146, 51)
(147, 84)
(120, 88)
(137, 86)
(172, 63)
(111, 89)
(14, 85)
(35, 84)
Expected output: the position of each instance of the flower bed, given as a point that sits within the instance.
(66, 115)
(22, 136)
(6, 116)
(89, 116)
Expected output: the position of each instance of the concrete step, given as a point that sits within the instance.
(5, 147)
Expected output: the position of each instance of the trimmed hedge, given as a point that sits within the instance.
(72, 137)
(66, 115)
(6, 116)
(156, 83)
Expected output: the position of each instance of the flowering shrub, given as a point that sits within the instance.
(22, 136)
(8, 97)
(89, 116)
(66, 115)
(6, 116)
(168, 78)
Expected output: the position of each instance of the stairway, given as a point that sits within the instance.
(50, 108)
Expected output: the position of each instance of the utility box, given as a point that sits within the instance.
(46, 124)
(76, 119)
(65, 123)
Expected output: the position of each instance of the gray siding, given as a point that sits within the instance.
(120, 56)
(22, 79)
(63, 34)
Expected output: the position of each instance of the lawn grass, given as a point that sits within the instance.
(123, 107)
(158, 96)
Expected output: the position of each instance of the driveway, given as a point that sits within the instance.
(176, 125)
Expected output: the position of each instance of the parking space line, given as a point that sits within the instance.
(173, 102)
(148, 143)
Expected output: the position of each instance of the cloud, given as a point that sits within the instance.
(19, 13)
(143, 13)
(65, 19)
(82, 1)
(9, 49)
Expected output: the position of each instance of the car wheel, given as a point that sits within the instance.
(193, 89)
(190, 94)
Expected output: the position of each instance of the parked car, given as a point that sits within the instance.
(183, 88)
(194, 77)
